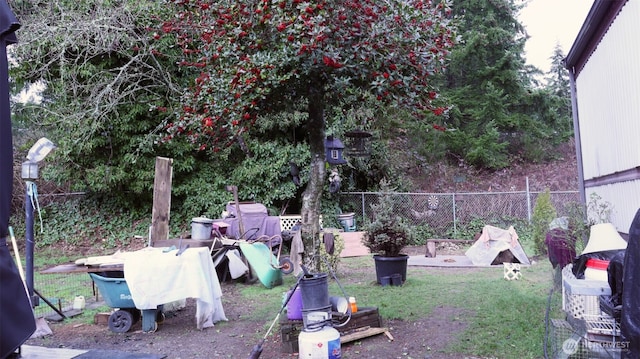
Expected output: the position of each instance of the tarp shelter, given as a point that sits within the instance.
(17, 322)
(492, 242)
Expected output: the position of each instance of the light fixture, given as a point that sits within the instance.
(37, 153)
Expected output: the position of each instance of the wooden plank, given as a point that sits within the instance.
(364, 333)
(177, 242)
(431, 245)
(161, 199)
(55, 317)
(431, 249)
(30, 351)
(73, 268)
(364, 317)
(353, 246)
(449, 240)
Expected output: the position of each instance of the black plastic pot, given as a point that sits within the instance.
(386, 267)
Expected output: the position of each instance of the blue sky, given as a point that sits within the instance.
(549, 22)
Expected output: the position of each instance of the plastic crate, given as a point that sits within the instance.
(602, 328)
(114, 290)
(580, 297)
(567, 342)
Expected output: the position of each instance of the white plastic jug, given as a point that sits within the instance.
(79, 303)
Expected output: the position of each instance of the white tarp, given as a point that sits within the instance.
(491, 242)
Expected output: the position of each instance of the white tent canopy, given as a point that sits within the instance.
(491, 242)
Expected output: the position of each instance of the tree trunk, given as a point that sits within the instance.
(311, 197)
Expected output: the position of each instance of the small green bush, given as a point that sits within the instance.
(543, 213)
(332, 260)
(388, 234)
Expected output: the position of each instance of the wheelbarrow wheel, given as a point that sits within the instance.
(286, 265)
(120, 321)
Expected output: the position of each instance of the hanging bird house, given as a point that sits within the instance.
(358, 143)
(333, 148)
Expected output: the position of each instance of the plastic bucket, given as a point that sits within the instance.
(348, 221)
(315, 291)
(396, 279)
(201, 228)
(388, 266)
(339, 304)
(596, 269)
(294, 307)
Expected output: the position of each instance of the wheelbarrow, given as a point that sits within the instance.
(262, 254)
(277, 260)
(116, 294)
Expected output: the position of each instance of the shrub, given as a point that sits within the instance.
(332, 260)
(388, 233)
(543, 213)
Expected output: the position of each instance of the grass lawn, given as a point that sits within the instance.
(504, 318)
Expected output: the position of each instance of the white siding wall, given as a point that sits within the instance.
(608, 90)
(624, 198)
(608, 94)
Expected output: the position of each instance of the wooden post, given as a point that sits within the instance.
(161, 200)
(234, 189)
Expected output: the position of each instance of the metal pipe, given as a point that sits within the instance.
(528, 200)
(28, 211)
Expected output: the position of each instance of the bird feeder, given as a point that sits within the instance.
(333, 148)
(358, 143)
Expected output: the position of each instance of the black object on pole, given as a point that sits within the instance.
(17, 322)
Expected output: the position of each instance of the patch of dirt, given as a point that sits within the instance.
(178, 338)
(560, 174)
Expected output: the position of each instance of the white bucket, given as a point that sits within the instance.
(201, 228)
(320, 344)
(596, 269)
(339, 304)
(348, 221)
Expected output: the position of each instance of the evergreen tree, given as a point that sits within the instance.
(497, 116)
(559, 86)
(558, 77)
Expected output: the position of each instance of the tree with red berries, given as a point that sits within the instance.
(257, 57)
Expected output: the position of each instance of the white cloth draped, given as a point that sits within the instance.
(156, 276)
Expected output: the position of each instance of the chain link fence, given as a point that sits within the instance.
(444, 214)
(441, 215)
